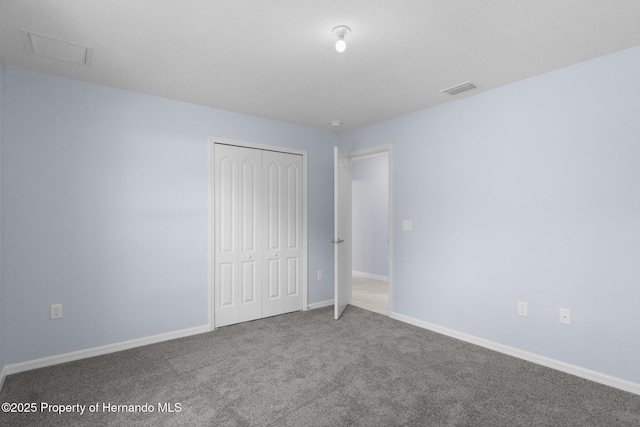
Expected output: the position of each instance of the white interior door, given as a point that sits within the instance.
(342, 231)
(292, 238)
(250, 233)
(238, 231)
(226, 235)
(282, 276)
(272, 205)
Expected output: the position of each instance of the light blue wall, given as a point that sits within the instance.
(370, 213)
(528, 192)
(2, 307)
(106, 211)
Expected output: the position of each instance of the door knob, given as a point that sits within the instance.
(249, 256)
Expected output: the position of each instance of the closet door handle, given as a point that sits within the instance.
(249, 256)
(275, 254)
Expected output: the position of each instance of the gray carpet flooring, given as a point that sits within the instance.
(305, 369)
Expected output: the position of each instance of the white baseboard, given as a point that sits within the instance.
(521, 354)
(501, 348)
(321, 304)
(99, 351)
(369, 275)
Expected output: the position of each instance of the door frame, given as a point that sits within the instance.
(211, 261)
(385, 148)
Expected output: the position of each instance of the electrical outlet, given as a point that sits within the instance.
(407, 225)
(522, 308)
(565, 316)
(56, 311)
(319, 274)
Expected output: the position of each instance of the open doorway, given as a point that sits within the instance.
(370, 229)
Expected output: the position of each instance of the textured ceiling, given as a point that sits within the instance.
(276, 58)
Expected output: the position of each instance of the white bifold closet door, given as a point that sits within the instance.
(257, 234)
(282, 233)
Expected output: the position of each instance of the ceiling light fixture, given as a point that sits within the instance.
(340, 31)
(336, 123)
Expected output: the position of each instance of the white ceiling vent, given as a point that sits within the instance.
(460, 88)
(52, 47)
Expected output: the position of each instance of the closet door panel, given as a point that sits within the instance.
(226, 251)
(250, 226)
(227, 278)
(273, 202)
(292, 284)
(273, 280)
(258, 234)
(292, 298)
(292, 205)
(284, 231)
(227, 203)
(273, 182)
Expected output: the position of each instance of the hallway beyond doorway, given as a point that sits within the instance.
(370, 294)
